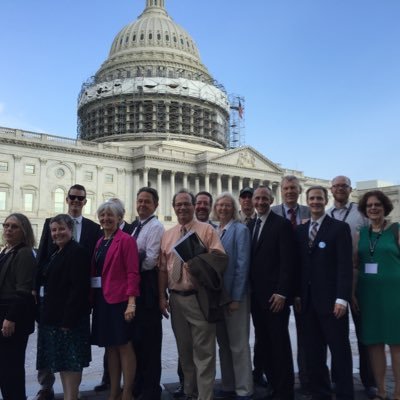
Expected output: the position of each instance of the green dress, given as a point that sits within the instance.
(379, 294)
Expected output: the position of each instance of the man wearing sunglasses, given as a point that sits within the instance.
(86, 233)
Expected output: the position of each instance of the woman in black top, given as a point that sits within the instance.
(17, 268)
(63, 340)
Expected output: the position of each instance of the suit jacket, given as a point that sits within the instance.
(120, 275)
(16, 280)
(66, 286)
(304, 211)
(89, 236)
(326, 267)
(236, 242)
(272, 262)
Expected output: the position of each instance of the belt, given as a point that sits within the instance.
(183, 293)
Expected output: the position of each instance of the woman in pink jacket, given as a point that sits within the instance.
(115, 282)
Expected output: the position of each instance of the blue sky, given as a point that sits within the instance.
(320, 77)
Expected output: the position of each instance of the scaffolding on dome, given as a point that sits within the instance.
(236, 121)
(153, 107)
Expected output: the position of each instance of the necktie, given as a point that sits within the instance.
(256, 233)
(293, 219)
(75, 230)
(313, 233)
(222, 233)
(176, 273)
(137, 230)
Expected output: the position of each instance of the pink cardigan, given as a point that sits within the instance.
(120, 277)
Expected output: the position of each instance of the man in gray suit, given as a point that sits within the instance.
(296, 214)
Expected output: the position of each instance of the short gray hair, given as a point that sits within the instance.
(235, 206)
(116, 208)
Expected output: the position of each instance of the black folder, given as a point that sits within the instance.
(189, 246)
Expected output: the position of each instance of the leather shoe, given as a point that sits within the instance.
(44, 394)
(103, 386)
(260, 381)
(178, 392)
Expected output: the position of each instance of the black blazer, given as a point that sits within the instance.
(16, 279)
(326, 268)
(90, 234)
(66, 281)
(272, 260)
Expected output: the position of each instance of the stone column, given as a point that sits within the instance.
(160, 196)
(240, 183)
(197, 184)
(145, 176)
(43, 206)
(230, 184)
(207, 182)
(100, 185)
(17, 194)
(78, 175)
(185, 180)
(172, 184)
(219, 184)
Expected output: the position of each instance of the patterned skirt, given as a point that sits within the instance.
(64, 350)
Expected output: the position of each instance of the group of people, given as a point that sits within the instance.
(253, 260)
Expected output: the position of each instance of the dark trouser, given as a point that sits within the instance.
(301, 351)
(12, 367)
(147, 337)
(366, 374)
(322, 331)
(272, 330)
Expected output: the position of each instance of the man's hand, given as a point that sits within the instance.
(339, 310)
(233, 306)
(277, 303)
(297, 304)
(164, 307)
(8, 328)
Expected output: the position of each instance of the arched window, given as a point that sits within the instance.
(59, 201)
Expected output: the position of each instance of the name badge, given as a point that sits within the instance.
(95, 282)
(41, 291)
(371, 268)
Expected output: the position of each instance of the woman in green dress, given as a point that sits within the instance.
(377, 287)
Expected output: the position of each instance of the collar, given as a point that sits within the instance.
(264, 216)
(287, 208)
(77, 219)
(319, 220)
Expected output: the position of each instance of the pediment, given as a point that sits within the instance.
(246, 157)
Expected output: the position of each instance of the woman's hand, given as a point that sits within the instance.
(233, 306)
(130, 312)
(8, 328)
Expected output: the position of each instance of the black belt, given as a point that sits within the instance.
(184, 293)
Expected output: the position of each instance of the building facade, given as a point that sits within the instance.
(151, 116)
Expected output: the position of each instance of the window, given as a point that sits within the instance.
(28, 201)
(3, 201)
(3, 166)
(29, 169)
(59, 200)
(109, 178)
(88, 176)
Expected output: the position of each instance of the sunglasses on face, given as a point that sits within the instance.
(72, 197)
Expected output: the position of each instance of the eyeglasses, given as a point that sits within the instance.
(338, 186)
(376, 205)
(10, 226)
(72, 197)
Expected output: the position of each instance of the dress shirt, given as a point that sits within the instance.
(263, 219)
(149, 241)
(354, 218)
(208, 236)
(243, 216)
(287, 213)
(320, 221)
(224, 229)
(78, 225)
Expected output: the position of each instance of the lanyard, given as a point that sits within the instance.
(373, 243)
(140, 225)
(345, 215)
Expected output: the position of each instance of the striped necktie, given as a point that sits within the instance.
(313, 233)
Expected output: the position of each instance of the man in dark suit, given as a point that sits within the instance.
(271, 277)
(325, 251)
(86, 233)
(296, 214)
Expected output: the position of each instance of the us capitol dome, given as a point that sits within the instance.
(153, 86)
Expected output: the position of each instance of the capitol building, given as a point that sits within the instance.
(152, 115)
